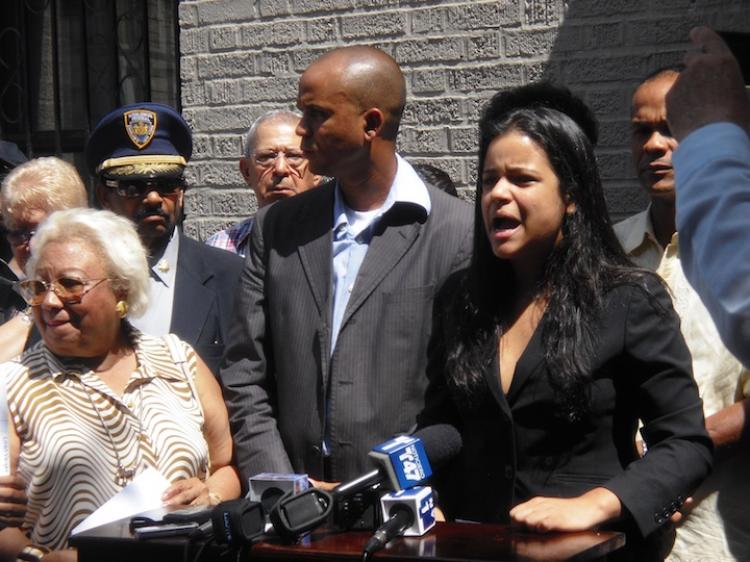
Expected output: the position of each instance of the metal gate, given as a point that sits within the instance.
(66, 63)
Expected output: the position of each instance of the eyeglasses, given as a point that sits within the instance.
(68, 289)
(267, 158)
(20, 236)
(138, 189)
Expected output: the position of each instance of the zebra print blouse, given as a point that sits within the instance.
(68, 457)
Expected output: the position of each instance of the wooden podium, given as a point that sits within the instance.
(445, 542)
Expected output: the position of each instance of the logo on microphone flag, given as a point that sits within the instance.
(405, 460)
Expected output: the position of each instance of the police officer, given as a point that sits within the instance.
(138, 154)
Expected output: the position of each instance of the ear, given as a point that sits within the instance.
(181, 200)
(570, 208)
(244, 170)
(374, 121)
(102, 198)
(120, 289)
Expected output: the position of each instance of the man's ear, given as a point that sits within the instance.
(181, 199)
(244, 163)
(374, 121)
(102, 200)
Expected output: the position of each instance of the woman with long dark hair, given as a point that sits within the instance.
(554, 346)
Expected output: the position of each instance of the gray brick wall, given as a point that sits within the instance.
(240, 58)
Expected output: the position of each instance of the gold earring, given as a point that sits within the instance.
(121, 308)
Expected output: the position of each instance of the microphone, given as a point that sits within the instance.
(407, 512)
(294, 515)
(268, 487)
(237, 522)
(405, 461)
(401, 464)
(233, 522)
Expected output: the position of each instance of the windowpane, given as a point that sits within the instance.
(40, 69)
(71, 59)
(64, 64)
(132, 43)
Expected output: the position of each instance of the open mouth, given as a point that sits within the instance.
(504, 224)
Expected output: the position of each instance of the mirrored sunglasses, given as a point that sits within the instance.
(138, 189)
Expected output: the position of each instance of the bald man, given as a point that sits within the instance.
(328, 348)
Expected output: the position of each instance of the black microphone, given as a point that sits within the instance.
(237, 522)
(356, 501)
(401, 518)
(403, 464)
(295, 514)
(441, 443)
(407, 512)
(233, 522)
(269, 487)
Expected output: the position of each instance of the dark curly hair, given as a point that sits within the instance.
(581, 268)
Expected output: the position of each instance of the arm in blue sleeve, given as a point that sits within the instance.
(712, 167)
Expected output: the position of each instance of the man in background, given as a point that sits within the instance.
(715, 529)
(273, 166)
(138, 154)
(708, 111)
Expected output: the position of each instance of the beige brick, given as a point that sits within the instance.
(241, 58)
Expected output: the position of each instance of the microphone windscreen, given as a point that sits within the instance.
(441, 442)
(237, 522)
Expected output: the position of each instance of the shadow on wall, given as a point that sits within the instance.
(602, 50)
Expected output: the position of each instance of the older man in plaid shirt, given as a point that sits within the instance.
(274, 167)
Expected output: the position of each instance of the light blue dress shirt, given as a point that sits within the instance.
(352, 233)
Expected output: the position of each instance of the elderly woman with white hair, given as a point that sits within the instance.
(96, 402)
(29, 194)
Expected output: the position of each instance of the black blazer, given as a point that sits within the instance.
(515, 448)
(206, 285)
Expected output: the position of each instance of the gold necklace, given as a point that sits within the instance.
(123, 475)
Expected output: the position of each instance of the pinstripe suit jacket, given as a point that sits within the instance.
(278, 374)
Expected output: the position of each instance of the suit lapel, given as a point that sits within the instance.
(529, 362)
(192, 301)
(388, 245)
(315, 253)
(492, 377)
(314, 249)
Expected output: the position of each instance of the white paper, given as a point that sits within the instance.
(142, 494)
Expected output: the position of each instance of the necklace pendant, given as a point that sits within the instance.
(124, 476)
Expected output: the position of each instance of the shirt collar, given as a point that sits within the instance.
(407, 188)
(641, 232)
(243, 232)
(61, 367)
(165, 266)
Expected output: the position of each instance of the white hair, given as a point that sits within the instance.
(112, 237)
(48, 184)
(248, 143)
